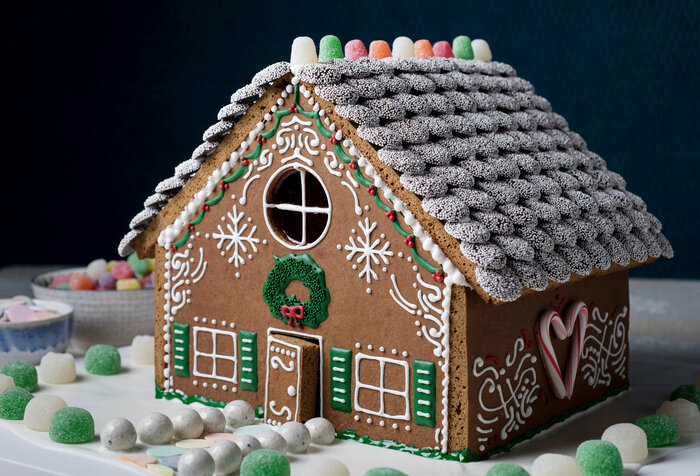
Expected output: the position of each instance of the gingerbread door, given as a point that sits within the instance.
(291, 386)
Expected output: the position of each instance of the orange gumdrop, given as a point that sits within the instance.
(423, 49)
(80, 281)
(379, 49)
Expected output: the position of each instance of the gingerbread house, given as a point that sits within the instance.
(416, 248)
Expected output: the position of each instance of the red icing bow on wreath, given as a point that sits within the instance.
(294, 313)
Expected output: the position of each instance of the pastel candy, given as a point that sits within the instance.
(79, 281)
(303, 51)
(684, 412)
(689, 392)
(221, 436)
(355, 49)
(40, 410)
(118, 434)
(213, 419)
(195, 462)
(19, 313)
(599, 458)
(139, 459)
(443, 49)
(59, 279)
(164, 451)
(143, 350)
(252, 430)
(324, 466)
(96, 268)
(482, 51)
(57, 368)
(122, 270)
(138, 266)
(296, 435)
(265, 463)
(13, 402)
(103, 360)
(128, 284)
(272, 440)
(23, 374)
(402, 48)
(661, 430)
(110, 265)
(630, 440)
(170, 461)
(155, 429)
(423, 49)
(379, 49)
(6, 382)
(247, 444)
(194, 443)
(227, 456)
(160, 469)
(385, 472)
(72, 425)
(106, 281)
(321, 430)
(239, 413)
(187, 424)
(551, 464)
(462, 48)
(506, 469)
(329, 48)
(63, 286)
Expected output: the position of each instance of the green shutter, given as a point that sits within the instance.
(424, 393)
(248, 343)
(341, 373)
(181, 346)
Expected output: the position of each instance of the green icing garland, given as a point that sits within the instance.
(303, 268)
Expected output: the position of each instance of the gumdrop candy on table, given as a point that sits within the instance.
(40, 410)
(423, 49)
(72, 425)
(325, 466)
(506, 469)
(355, 49)
(57, 368)
(403, 48)
(103, 359)
(462, 48)
(13, 402)
(599, 458)
(330, 48)
(552, 464)
(482, 51)
(143, 350)
(630, 440)
(265, 463)
(379, 49)
(303, 51)
(383, 471)
(443, 49)
(23, 373)
(684, 412)
(661, 430)
(689, 392)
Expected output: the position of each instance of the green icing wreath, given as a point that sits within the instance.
(288, 308)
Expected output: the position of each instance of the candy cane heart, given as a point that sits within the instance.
(573, 326)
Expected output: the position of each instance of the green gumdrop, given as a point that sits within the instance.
(72, 425)
(138, 266)
(385, 472)
(661, 430)
(330, 48)
(265, 463)
(462, 48)
(689, 392)
(13, 401)
(507, 469)
(103, 360)
(23, 373)
(599, 458)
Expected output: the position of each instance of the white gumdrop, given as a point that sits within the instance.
(325, 466)
(213, 419)
(40, 409)
(247, 444)
(57, 368)
(271, 440)
(551, 464)
(6, 382)
(482, 50)
(403, 48)
(629, 439)
(303, 51)
(227, 456)
(143, 350)
(187, 424)
(195, 462)
(685, 413)
(239, 413)
(296, 435)
(321, 430)
(118, 434)
(96, 268)
(155, 429)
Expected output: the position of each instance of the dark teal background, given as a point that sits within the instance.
(102, 100)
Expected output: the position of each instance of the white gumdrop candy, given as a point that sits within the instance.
(155, 429)
(57, 368)
(321, 430)
(118, 434)
(195, 462)
(303, 51)
(482, 50)
(271, 440)
(96, 268)
(227, 456)
(325, 466)
(143, 350)
(239, 413)
(296, 435)
(187, 424)
(685, 413)
(551, 464)
(630, 440)
(213, 419)
(6, 382)
(403, 48)
(247, 444)
(40, 409)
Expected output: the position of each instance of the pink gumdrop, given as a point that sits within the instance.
(122, 270)
(355, 49)
(19, 313)
(443, 49)
(59, 279)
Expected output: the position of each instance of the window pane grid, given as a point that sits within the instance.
(200, 356)
(359, 385)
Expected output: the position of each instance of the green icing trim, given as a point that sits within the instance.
(187, 399)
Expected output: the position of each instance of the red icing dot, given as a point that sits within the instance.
(371, 190)
(334, 140)
(244, 162)
(390, 215)
(353, 164)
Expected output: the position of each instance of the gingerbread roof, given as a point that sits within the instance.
(528, 202)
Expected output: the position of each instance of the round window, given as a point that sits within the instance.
(297, 207)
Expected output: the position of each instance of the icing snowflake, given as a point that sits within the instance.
(604, 347)
(368, 251)
(236, 239)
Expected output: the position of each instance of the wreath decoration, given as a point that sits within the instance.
(289, 309)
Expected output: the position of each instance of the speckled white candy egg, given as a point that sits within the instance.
(247, 444)
(227, 456)
(195, 462)
(155, 429)
(239, 413)
(271, 440)
(296, 435)
(321, 430)
(324, 466)
(188, 424)
(213, 419)
(118, 434)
